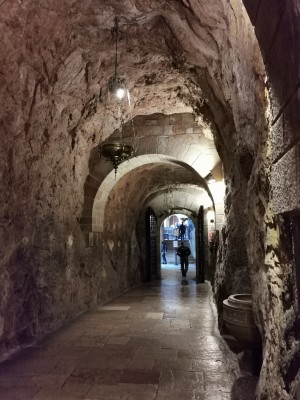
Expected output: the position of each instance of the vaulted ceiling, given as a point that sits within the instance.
(195, 80)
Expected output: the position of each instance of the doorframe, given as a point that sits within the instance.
(200, 247)
(151, 257)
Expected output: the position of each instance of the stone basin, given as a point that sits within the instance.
(239, 320)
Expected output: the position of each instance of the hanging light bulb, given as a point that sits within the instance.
(117, 87)
(120, 93)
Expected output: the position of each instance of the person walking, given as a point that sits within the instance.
(182, 229)
(183, 252)
(163, 252)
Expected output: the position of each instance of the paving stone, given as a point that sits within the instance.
(180, 395)
(116, 351)
(181, 380)
(141, 364)
(122, 391)
(95, 375)
(143, 325)
(13, 380)
(119, 340)
(54, 394)
(147, 339)
(114, 308)
(154, 315)
(90, 341)
(218, 380)
(129, 299)
(146, 352)
(176, 341)
(139, 376)
(43, 351)
(77, 389)
(47, 380)
(17, 393)
(121, 331)
(136, 315)
(163, 347)
(209, 365)
(104, 363)
(177, 365)
(30, 366)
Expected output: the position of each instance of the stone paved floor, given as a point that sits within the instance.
(157, 341)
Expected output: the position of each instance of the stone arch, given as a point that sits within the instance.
(190, 149)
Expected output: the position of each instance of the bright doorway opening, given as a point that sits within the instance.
(174, 229)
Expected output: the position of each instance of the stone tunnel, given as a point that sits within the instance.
(214, 91)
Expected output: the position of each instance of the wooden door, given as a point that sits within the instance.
(151, 227)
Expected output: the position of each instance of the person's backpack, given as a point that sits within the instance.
(184, 252)
(187, 252)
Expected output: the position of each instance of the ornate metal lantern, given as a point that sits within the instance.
(116, 153)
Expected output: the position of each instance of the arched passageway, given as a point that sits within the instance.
(209, 87)
(114, 217)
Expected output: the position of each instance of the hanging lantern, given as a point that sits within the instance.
(117, 151)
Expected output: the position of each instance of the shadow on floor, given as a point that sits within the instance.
(186, 282)
(244, 388)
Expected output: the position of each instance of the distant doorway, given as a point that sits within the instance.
(170, 239)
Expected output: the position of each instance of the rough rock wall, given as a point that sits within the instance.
(124, 235)
(273, 283)
(268, 168)
(119, 235)
(277, 173)
(237, 138)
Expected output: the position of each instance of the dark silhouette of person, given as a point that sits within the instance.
(183, 252)
(163, 252)
(182, 229)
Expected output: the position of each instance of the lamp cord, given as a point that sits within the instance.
(117, 37)
(134, 141)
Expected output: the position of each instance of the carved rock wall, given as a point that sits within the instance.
(273, 199)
